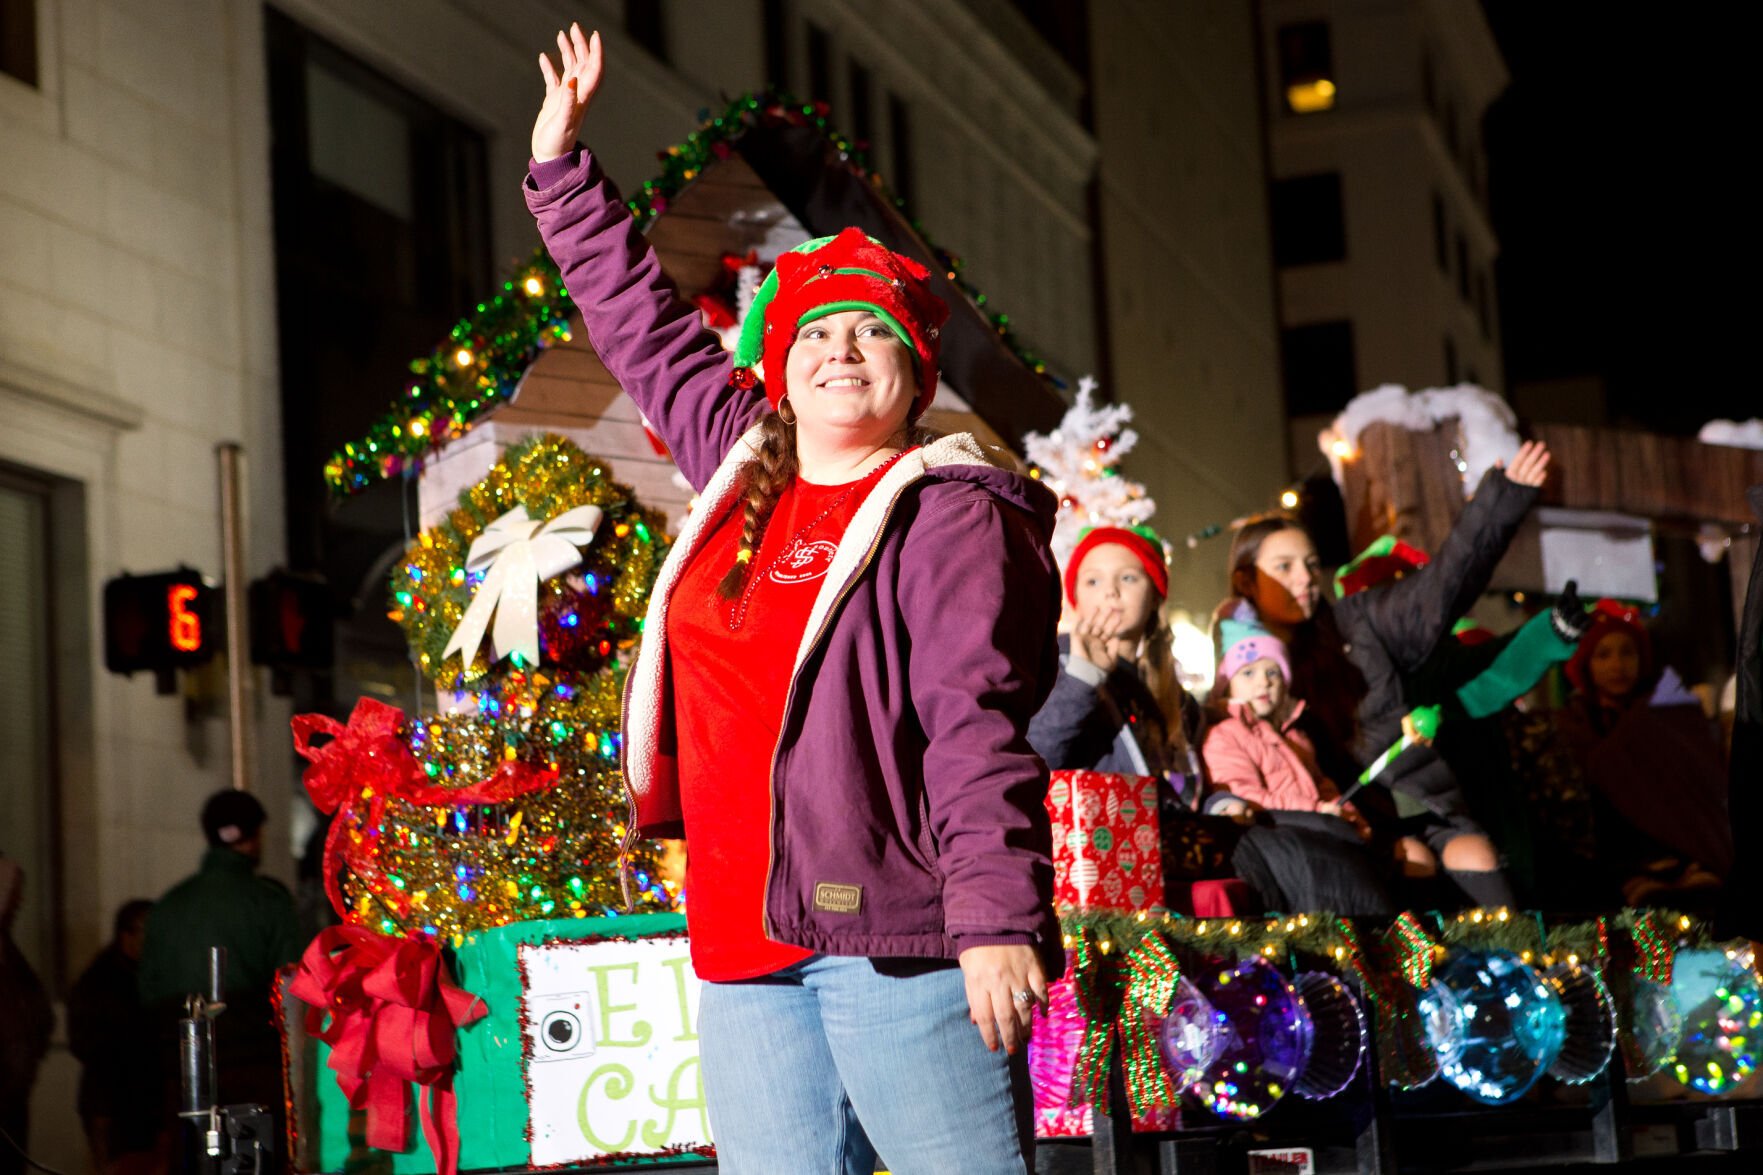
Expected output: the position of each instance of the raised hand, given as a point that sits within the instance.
(1531, 466)
(1094, 636)
(567, 93)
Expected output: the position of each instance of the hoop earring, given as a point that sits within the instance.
(786, 413)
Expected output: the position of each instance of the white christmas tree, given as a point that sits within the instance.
(1079, 462)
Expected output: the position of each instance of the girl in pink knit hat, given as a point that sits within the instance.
(1257, 758)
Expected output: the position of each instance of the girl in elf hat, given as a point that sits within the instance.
(1349, 660)
(1643, 742)
(840, 660)
(1119, 705)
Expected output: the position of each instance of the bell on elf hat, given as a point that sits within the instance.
(830, 275)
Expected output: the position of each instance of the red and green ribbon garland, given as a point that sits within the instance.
(1413, 949)
(1402, 1053)
(1090, 984)
(1152, 973)
(1654, 952)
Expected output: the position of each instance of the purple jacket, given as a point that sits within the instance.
(908, 809)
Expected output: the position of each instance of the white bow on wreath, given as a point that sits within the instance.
(516, 554)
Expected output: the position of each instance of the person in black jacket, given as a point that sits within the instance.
(109, 1031)
(1349, 661)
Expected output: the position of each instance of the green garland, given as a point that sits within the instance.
(1319, 936)
(481, 362)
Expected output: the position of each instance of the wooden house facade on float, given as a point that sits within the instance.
(765, 176)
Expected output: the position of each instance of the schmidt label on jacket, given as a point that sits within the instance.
(837, 899)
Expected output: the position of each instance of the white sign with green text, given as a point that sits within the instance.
(611, 1039)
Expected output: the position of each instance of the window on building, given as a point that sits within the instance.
(1450, 361)
(862, 119)
(1483, 310)
(1320, 370)
(18, 40)
(27, 716)
(820, 64)
(381, 242)
(1463, 272)
(1441, 235)
(1064, 26)
(1309, 226)
(1306, 67)
(645, 22)
(902, 177)
(777, 44)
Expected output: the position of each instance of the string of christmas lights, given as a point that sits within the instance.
(479, 365)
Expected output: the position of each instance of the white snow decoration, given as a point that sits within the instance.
(1746, 434)
(1072, 466)
(1488, 427)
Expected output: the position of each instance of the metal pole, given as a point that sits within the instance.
(238, 641)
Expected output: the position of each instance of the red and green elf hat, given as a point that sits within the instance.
(1386, 559)
(1140, 540)
(832, 274)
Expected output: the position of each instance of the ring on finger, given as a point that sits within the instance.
(1024, 998)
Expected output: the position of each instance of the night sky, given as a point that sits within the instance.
(1614, 160)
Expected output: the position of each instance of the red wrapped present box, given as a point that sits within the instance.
(1106, 848)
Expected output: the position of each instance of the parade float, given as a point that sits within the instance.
(510, 987)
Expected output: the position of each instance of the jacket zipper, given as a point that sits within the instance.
(790, 698)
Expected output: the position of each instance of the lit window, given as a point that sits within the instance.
(1306, 67)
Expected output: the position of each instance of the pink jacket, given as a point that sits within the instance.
(1268, 764)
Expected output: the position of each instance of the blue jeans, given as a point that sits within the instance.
(816, 1068)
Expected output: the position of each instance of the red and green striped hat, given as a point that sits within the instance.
(832, 274)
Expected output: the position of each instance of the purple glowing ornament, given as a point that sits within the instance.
(1266, 1036)
(1338, 1036)
(1189, 1037)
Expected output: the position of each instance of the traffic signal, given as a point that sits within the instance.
(160, 623)
(291, 622)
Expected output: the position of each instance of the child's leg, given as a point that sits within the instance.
(1474, 864)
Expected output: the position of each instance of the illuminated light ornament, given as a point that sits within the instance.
(1718, 993)
(1190, 1037)
(1338, 1035)
(1650, 1029)
(1265, 1035)
(1494, 1023)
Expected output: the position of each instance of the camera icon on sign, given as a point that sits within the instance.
(560, 1027)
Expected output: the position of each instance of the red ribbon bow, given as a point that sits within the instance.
(393, 1019)
(367, 764)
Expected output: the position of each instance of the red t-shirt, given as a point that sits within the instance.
(731, 663)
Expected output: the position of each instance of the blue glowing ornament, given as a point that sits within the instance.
(1494, 1023)
(1338, 1035)
(1649, 1029)
(1190, 1036)
(1265, 1036)
(1718, 993)
(1591, 1022)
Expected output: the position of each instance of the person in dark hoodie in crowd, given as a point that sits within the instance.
(108, 1030)
(841, 656)
(27, 1020)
